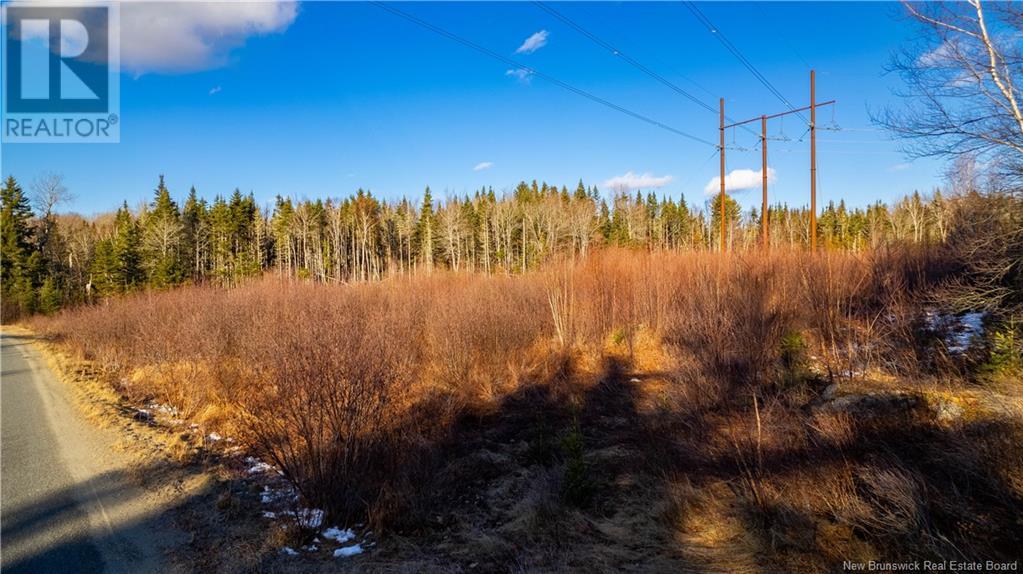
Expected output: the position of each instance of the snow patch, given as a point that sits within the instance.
(961, 331)
(337, 535)
(165, 409)
(269, 495)
(257, 466)
(348, 551)
(289, 551)
(971, 329)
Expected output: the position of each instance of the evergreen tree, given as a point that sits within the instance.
(163, 236)
(50, 297)
(193, 240)
(104, 270)
(127, 247)
(425, 240)
(18, 261)
(733, 218)
(580, 191)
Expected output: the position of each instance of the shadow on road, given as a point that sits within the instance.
(99, 525)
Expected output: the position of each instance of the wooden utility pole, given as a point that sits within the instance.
(813, 165)
(722, 151)
(763, 173)
(765, 224)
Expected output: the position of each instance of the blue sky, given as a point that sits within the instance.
(326, 97)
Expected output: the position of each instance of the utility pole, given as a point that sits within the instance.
(813, 165)
(765, 223)
(722, 151)
(763, 173)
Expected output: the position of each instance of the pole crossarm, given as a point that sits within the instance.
(778, 115)
(765, 208)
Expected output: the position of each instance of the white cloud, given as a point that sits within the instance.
(483, 165)
(521, 74)
(631, 181)
(215, 90)
(533, 43)
(194, 36)
(899, 167)
(739, 180)
(936, 57)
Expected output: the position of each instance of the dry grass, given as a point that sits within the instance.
(464, 414)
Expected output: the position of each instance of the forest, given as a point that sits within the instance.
(55, 260)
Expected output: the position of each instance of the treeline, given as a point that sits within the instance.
(50, 260)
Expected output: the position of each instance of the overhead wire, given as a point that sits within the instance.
(717, 33)
(629, 59)
(532, 71)
(696, 172)
(784, 40)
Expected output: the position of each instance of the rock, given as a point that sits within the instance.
(871, 403)
(946, 411)
(829, 391)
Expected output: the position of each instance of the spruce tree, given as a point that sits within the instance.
(50, 297)
(18, 267)
(425, 241)
(163, 230)
(580, 191)
(221, 237)
(733, 216)
(193, 216)
(104, 270)
(127, 249)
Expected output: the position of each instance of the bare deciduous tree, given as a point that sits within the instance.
(49, 191)
(961, 92)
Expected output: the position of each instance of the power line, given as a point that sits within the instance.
(735, 52)
(534, 72)
(628, 59)
(696, 173)
(616, 52)
(785, 40)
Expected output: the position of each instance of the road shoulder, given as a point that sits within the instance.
(129, 497)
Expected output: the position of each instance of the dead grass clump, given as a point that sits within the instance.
(895, 497)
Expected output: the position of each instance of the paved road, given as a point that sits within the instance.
(66, 503)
